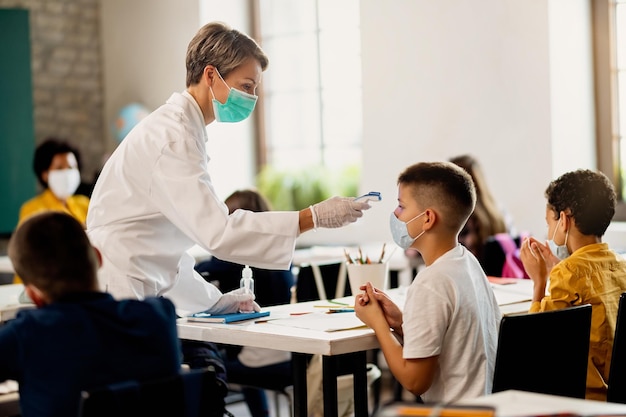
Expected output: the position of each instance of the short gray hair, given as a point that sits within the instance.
(223, 47)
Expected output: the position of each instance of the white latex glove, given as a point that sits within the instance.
(337, 212)
(235, 301)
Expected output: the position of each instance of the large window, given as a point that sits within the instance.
(306, 129)
(311, 116)
(610, 69)
(618, 74)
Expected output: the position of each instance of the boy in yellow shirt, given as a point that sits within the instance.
(581, 269)
(56, 166)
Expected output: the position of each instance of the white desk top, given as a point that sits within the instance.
(303, 340)
(9, 304)
(6, 266)
(514, 298)
(285, 338)
(514, 403)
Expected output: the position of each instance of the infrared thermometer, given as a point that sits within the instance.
(371, 196)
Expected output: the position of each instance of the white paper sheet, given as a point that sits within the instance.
(322, 321)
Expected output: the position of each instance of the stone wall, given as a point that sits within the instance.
(67, 75)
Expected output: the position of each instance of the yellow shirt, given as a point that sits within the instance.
(592, 275)
(76, 206)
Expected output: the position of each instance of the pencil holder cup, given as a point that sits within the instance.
(359, 274)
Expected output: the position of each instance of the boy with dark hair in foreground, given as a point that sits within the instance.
(78, 338)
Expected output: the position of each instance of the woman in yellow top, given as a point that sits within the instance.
(57, 170)
(581, 269)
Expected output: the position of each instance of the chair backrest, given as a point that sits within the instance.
(617, 373)
(308, 286)
(544, 352)
(182, 395)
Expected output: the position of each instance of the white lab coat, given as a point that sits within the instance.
(154, 200)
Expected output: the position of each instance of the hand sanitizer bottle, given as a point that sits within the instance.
(247, 282)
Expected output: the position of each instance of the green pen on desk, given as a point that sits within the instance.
(337, 302)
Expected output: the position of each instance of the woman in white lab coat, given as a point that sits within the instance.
(154, 198)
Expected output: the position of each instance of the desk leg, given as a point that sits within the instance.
(357, 365)
(299, 365)
(329, 377)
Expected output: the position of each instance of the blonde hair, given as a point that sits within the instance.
(223, 47)
(487, 219)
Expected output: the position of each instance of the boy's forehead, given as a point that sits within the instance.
(407, 193)
(404, 191)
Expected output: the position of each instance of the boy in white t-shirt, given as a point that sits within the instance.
(442, 344)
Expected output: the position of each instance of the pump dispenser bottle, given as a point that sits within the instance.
(247, 282)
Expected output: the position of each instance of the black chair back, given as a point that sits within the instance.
(544, 352)
(182, 395)
(306, 288)
(617, 373)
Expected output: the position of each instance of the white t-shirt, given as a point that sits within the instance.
(450, 310)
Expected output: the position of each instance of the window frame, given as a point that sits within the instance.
(261, 140)
(606, 99)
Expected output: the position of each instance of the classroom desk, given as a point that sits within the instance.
(344, 345)
(513, 403)
(514, 298)
(9, 304)
(6, 267)
(347, 346)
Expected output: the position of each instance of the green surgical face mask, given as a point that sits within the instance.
(238, 105)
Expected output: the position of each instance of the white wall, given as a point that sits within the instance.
(440, 79)
(571, 87)
(144, 46)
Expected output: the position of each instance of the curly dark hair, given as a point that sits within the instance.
(45, 153)
(589, 196)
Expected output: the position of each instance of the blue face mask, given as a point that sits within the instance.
(560, 251)
(238, 105)
(400, 231)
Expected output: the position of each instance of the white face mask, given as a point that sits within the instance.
(400, 231)
(560, 251)
(63, 182)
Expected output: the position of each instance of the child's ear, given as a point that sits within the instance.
(98, 255)
(38, 298)
(430, 217)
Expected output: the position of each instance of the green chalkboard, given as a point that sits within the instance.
(17, 137)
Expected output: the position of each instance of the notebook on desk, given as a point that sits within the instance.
(226, 318)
